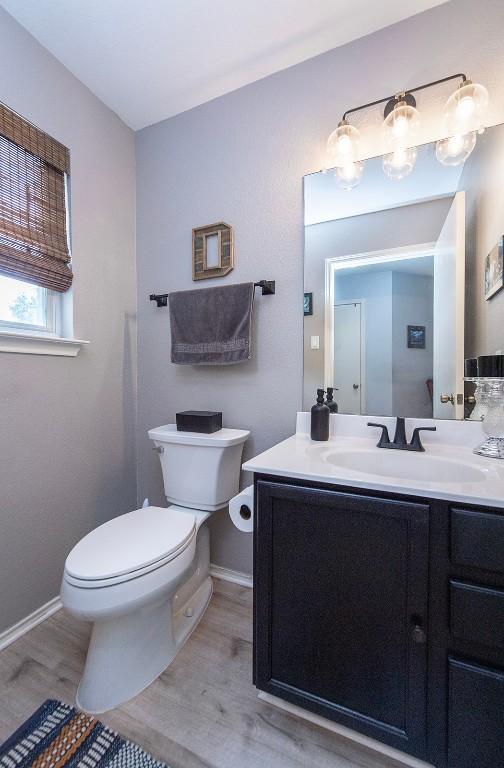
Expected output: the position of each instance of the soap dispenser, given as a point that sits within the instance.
(320, 418)
(333, 407)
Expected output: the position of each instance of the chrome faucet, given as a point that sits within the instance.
(399, 442)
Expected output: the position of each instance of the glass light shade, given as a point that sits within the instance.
(455, 150)
(400, 127)
(465, 109)
(350, 174)
(399, 163)
(343, 145)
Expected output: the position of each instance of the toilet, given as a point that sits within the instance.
(143, 579)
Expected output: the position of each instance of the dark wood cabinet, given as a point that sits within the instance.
(341, 595)
(475, 716)
(376, 612)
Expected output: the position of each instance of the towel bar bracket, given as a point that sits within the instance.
(267, 288)
(161, 299)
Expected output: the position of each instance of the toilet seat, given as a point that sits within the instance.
(129, 546)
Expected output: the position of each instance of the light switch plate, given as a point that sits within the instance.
(315, 342)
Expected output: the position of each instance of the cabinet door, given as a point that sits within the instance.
(340, 608)
(476, 716)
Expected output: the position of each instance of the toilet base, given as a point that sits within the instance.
(128, 653)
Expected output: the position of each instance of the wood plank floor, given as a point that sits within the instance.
(202, 712)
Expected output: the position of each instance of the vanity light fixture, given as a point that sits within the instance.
(343, 145)
(465, 109)
(402, 119)
(464, 116)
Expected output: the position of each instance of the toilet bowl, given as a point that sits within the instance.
(142, 579)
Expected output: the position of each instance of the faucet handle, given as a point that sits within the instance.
(384, 439)
(416, 443)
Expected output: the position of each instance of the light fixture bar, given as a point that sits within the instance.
(398, 96)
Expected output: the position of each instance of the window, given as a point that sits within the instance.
(27, 307)
(34, 245)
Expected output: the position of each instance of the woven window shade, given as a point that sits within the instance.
(33, 221)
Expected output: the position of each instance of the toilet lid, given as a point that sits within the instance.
(131, 542)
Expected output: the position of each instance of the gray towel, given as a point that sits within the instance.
(211, 326)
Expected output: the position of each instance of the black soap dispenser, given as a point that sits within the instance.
(333, 407)
(320, 418)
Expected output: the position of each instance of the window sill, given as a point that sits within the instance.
(32, 344)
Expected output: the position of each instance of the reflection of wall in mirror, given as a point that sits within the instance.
(407, 225)
(482, 181)
(395, 376)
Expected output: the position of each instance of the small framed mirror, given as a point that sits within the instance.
(213, 254)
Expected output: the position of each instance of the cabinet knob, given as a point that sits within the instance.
(419, 635)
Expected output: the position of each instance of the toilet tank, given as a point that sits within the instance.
(200, 471)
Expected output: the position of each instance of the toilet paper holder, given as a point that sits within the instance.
(241, 510)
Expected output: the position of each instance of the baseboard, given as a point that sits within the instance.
(11, 634)
(401, 757)
(235, 577)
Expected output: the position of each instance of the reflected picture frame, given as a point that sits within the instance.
(416, 336)
(494, 270)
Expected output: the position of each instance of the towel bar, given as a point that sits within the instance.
(267, 288)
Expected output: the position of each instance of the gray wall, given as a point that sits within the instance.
(413, 297)
(375, 289)
(241, 158)
(406, 225)
(482, 181)
(395, 375)
(67, 451)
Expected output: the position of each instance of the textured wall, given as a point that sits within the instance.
(482, 180)
(241, 158)
(413, 304)
(67, 452)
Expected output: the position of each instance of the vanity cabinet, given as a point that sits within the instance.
(384, 614)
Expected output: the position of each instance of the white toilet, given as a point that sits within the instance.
(143, 578)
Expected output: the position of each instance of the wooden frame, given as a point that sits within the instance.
(494, 270)
(225, 250)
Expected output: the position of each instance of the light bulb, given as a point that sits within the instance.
(342, 145)
(465, 109)
(399, 163)
(400, 127)
(455, 150)
(349, 174)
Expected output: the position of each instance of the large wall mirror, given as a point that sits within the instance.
(402, 280)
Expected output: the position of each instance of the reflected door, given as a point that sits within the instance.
(347, 357)
(449, 288)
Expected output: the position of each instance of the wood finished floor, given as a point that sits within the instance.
(202, 712)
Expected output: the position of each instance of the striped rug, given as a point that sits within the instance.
(59, 736)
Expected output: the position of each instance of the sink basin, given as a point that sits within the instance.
(405, 466)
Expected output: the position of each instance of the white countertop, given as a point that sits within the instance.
(301, 458)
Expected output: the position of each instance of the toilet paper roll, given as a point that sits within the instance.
(241, 510)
